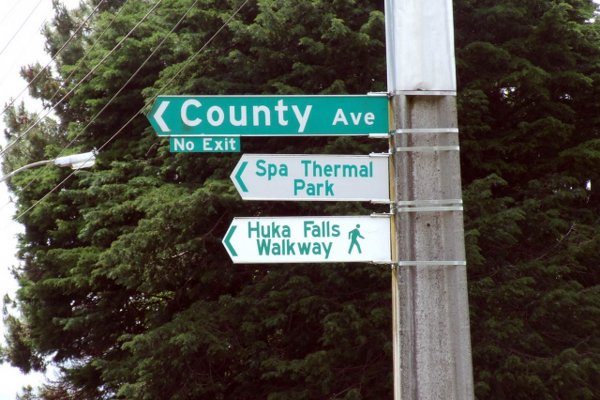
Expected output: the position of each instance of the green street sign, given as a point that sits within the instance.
(206, 144)
(270, 115)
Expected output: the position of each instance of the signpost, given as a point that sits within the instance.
(270, 115)
(206, 144)
(431, 337)
(312, 177)
(309, 239)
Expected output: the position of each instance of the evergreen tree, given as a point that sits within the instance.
(126, 278)
(126, 286)
(529, 81)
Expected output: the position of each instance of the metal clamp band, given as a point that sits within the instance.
(381, 155)
(426, 130)
(440, 202)
(428, 148)
(429, 209)
(423, 93)
(431, 263)
(380, 215)
(381, 201)
(379, 135)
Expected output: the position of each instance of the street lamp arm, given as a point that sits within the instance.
(75, 161)
(24, 167)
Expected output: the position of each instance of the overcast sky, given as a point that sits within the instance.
(21, 43)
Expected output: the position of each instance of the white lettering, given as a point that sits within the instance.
(219, 144)
(206, 144)
(302, 118)
(255, 115)
(210, 115)
(339, 117)
(179, 144)
(281, 109)
(243, 121)
(184, 112)
(355, 118)
(232, 144)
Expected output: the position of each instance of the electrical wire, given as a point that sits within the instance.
(65, 44)
(133, 75)
(79, 63)
(3, 151)
(139, 112)
(14, 62)
(20, 27)
(89, 50)
(9, 12)
(39, 119)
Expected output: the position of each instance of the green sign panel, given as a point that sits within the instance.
(205, 144)
(270, 115)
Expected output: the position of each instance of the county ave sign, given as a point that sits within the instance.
(309, 239)
(312, 177)
(270, 115)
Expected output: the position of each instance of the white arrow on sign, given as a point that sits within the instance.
(158, 116)
(312, 177)
(309, 239)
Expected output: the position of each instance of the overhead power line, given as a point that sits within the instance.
(156, 48)
(68, 78)
(140, 111)
(9, 12)
(58, 52)
(89, 50)
(40, 118)
(20, 27)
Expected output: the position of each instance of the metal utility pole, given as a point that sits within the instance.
(432, 345)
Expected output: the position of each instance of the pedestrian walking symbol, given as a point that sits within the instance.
(353, 235)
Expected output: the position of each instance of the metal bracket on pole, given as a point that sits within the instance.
(429, 205)
(439, 202)
(422, 131)
(425, 130)
(380, 215)
(386, 155)
(429, 209)
(430, 149)
(378, 94)
(424, 92)
(383, 262)
(379, 135)
(431, 263)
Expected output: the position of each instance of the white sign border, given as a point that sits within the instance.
(355, 219)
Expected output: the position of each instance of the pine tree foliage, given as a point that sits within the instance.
(124, 282)
(529, 112)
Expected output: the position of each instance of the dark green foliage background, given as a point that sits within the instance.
(125, 283)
